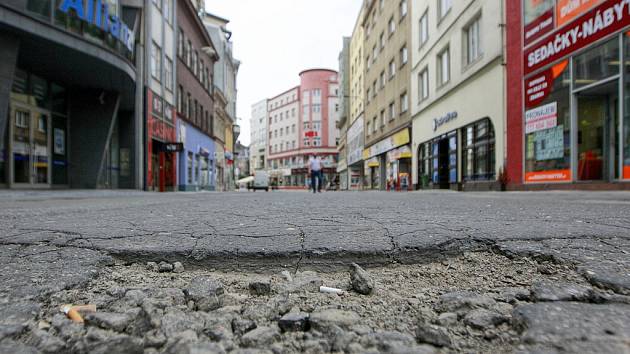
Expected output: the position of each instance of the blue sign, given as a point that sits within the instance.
(97, 13)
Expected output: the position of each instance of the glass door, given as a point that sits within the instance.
(30, 147)
(597, 113)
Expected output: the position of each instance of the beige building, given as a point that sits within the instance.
(387, 117)
(354, 132)
(457, 95)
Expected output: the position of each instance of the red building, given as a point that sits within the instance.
(568, 94)
(302, 123)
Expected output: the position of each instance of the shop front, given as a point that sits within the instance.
(196, 159)
(61, 124)
(387, 164)
(355, 149)
(161, 136)
(458, 140)
(576, 99)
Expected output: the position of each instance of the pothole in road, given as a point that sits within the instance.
(464, 303)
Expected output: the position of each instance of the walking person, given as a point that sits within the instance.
(315, 170)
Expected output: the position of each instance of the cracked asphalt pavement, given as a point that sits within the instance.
(54, 241)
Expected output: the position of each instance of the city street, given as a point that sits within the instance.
(530, 272)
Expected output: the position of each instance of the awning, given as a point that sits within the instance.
(246, 180)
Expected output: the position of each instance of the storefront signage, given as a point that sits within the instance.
(438, 122)
(549, 144)
(161, 130)
(601, 21)
(539, 27)
(383, 146)
(310, 134)
(59, 142)
(548, 176)
(567, 10)
(157, 105)
(97, 13)
(355, 141)
(541, 118)
(626, 172)
(173, 147)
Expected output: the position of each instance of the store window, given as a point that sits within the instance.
(596, 64)
(533, 9)
(478, 157)
(626, 115)
(548, 150)
(190, 167)
(197, 169)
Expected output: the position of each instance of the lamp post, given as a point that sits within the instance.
(236, 131)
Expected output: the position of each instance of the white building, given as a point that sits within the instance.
(457, 93)
(258, 138)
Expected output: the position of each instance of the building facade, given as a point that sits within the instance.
(258, 137)
(355, 133)
(568, 123)
(225, 73)
(302, 122)
(76, 122)
(160, 94)
(196, 55)
(458, 100)
(387, 154)
(344, 112)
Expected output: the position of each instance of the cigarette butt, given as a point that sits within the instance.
(325, 289)
(74, 312)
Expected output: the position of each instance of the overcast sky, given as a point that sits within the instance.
(276, 39)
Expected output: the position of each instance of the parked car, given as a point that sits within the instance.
(261, 181)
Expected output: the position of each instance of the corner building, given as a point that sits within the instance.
(569, 99)
(458, 99)
(303, 123)
(70, 116)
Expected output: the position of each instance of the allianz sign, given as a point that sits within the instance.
(97, 14)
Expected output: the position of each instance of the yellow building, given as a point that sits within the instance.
(354, 138)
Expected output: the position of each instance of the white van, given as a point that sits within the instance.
(261, 180)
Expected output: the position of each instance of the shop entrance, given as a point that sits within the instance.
(445, 161)
(598, 122)
(30, 147)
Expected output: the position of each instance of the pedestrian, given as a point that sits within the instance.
(315, 171)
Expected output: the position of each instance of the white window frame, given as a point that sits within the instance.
(404, 103)
(472, 41)
(404, 55)
(392, 110)
(424, 28)
(443, 7)
(156, 61)
(444, 67)
(423, 85)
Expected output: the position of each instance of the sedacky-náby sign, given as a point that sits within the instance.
(601, 21)
(97, 13)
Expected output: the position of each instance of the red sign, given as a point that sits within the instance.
(548, 176)
(310, 134)
(539, 86)
(567, 10)
(601, 21)
(538, 28)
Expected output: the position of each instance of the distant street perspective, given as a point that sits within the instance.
(437, 272)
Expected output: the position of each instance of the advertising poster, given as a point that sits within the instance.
(538, 18)
(541, 118)
(549, 144)
(567, 10)
(539, 86)
(59, 142)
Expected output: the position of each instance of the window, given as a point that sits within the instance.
(444, 6)
(167, 11)
(374, 127)
(374, 54)
(381, 4)
(368, 128)
(168, 73)
(478, 161)
(368, 95)
(391, 26)
(156, 61)
(189, 107)
(281, 131)
(180, 44)
(317, 92)
(382, 119)
(381, 41)
(402, 9)
(188, 53)
(382, 79)
(404, 103)
(197, 165)
(392, 111)
(444, 67)
(374, 89)
(404, 56)
(423, 85)
(158, 4)
(180, 99)
(424, 28)
(317, 108)
(392, 69)
(292, 112)
(190, 168)
(293, 128)
(195, 62)
(472, 44)
(368, 62)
